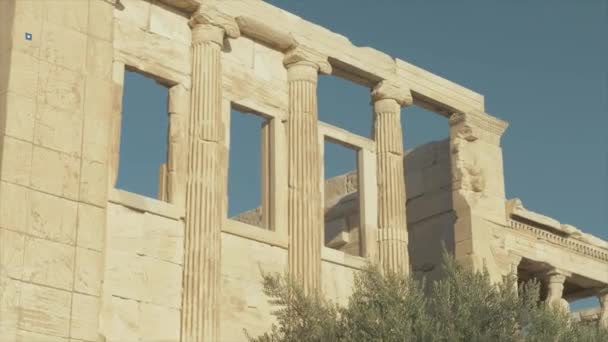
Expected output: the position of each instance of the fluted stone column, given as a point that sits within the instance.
(206, 179)
(603, 298)
(392, 221)
(305, 214)
(554, 280)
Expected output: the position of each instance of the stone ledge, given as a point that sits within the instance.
(146, 204)
(251, 232)
(341, 258)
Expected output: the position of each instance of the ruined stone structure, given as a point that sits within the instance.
(83, 261)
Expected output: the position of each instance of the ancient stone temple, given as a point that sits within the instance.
(83, 261)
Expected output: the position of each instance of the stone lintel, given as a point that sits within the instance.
(188, 6)
(266, 34)
(392, 90)
(302, 54)
(480, 120)
(209, 15)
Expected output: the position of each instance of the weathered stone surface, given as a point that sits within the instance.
(85, 310)
(53, 218)
(55, 172)
(48, 263)
(45, 310)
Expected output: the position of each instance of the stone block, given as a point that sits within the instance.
(102, 101)
(124, 275)
(268, 63)
(169, 24)
(93, 183)
(85, 313)
(240, 52)
(162, 238)
(71, 14)
(53, 218)
(16, 161)
(28, 336)
(123, 319)
(162, 282)
(55, 173)
(63, 47)
(10, 301)
(59, 130)
(22, 76)
(45, 310)
(20, 113)
(27, 22)
(12, 245)
(134, 12)
(101, 19)
(158, 323)
(100, 54)
(14, 207)
(48, 263)
(60, 87)
(89, 271)
(91, 226)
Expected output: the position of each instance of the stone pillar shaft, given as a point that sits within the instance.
(392, 220)
(603, 298)
(305, 214)
(206, 181)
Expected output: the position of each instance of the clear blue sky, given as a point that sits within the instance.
(541, 65)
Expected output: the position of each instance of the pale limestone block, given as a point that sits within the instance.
(169, 24)
(134, 12)
(55, 173)
(45, 310)
(10, 299)
(53, 218)
(124, 275)
(102, 101)
(100, 54)
(14, 207)
(72, 14)
(123, 322)
(93, 183)
(60, 87)
(28, 336)
(91, 226)
(158, 323)
(240, 52)
(59, 130)
(48, 263)
(89, 272)
(101, 19)
(268, 63)
(124, 229)
(162, 283)
(12, 246)
(20, 113)
(63, 47)
(22, 76)
(30, 23)
(152, 53)
(162, 238)
(85, 313)
(16, 161)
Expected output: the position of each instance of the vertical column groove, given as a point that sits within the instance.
(205, 191)
(305, 221)
(392, 221)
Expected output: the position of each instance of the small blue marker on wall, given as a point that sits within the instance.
(28, 36)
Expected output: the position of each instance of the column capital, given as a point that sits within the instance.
(209, 24)
(475, 124)
(302, 55)
(393, 91)
(556, 276)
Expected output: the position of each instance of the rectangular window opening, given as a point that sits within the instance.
(342, 205)
(143, 136)
(249, 173)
